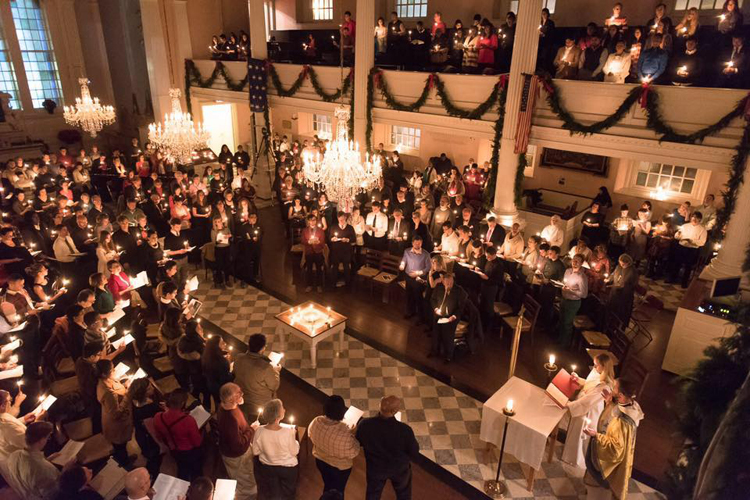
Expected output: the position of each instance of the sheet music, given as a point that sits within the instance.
(115, 316)
(68, 452)
(18, 328)
(12, 373)
(11, 346)
(192, 284)
(110, 481)
(225, 489)
(121, 370)
(140, 280)
(123, 341)
(111, 332)
(45, 404)
(398, 416)
(200, 415)
(169, 488)
(139, 374)
(352, 416)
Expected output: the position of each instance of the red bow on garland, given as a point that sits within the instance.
(305, 70)
(351, 74)
(644, 94)
(376, 78)
(547, 86)
(503, 81)
(431, 81)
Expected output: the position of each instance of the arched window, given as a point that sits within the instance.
(8, 80)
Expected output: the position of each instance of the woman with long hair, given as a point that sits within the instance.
(117, 415)
(105, 251)
(215, 366)
(586, 407)
(190, 349)
(145, 405)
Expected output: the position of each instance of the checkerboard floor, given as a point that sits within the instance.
(446, 422)
(670, 294)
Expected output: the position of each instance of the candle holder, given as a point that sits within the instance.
(551, 369)
(496, 488)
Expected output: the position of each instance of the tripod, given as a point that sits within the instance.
(265, 150)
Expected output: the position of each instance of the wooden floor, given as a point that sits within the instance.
(481, 374)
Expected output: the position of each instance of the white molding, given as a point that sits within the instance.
(625, 184)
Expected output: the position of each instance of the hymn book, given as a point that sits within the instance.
(169, 488)
(110, 481)
(192, 284)
(123, 341)
(121, 370)
(225, 489)
(12, 373)
(11, 346)
(200, 415)
(352, 416)
(68, 452)
(562, 388)
(275, 358)
(44, 405)
(140, 280)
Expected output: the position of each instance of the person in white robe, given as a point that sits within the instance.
(588, 404)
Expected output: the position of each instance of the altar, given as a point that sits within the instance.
(534, 423)
(312, 323)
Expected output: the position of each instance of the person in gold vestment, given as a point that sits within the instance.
(609, 459)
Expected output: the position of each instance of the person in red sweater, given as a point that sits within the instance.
(119, 285)
(438, 27)
(178, 430)
(235, 441)
(314, 241)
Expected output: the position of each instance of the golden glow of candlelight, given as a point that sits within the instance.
(551, 359)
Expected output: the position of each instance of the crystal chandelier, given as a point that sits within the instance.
(340, 172)
(179, 137)
(87, 112)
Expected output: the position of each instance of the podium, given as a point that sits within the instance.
(536, 420)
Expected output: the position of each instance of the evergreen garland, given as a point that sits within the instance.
(489, 190)
(368, 111)
(276, 82)
(518, 181)
(193, 78)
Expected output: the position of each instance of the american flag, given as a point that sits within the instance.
(529, 94)
(257, 84)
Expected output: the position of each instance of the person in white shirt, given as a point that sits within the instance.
(512, 247)
(449, 241)
(617, 67)
(138, 484)
(12, 428)
(29, 473)
(376, 227)
(708, 210)
(275, 447)
(552, 234)
(64, 247)
(690, 238)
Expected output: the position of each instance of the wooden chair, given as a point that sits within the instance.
(530, 316)
(601, 338)
(618, 349)
(638, 374)
(371, 267)
(389, 271)
(57, 362)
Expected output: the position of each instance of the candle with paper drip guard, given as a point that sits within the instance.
(311, 317)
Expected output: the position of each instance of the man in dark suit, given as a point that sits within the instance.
(494, 235)
(402, 202)
(447, 302)
(399, 233)
(492, 281)
(422, 230)
(342, 239)
(390, 446)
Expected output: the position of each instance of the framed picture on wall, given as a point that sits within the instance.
(572, 160)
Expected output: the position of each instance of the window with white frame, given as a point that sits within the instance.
(671, 179)
(322, 10)
(546, 4)
(411, 8)
(322, 126)
(405, 137)
(701, 4)
(37, 52)
(8, 81)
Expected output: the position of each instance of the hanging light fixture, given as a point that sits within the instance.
(179, 136)
(87, 112)
(340, 172)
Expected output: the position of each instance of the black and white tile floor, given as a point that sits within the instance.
(445, 421)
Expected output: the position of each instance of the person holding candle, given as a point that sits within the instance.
(334, 445)
(248, 259)
(687, 67)
(621, 232)
(376, 226)
(313, 241)
(599, 269)
(117, 416)
(690, 237)
(491, 274)
(688, 27)
(381, 35)
(12, 428)
(487, 45)
(582, 248)
(575, 289)
(591, 63)
(730, 20)
(256, 376)
(617, 67)
(735, 65)
(622, 283)
(390, 447)
(396, 39)
(415, 263)
(617, 18)
(552, 233)
(586, 407)
(449, 241)
(176, 246)
(609, 458)
(236, 440)
(447, 302)
(660, 18)
(275, 447)
(653, 61)
(512, 247)
(342, 239)
(28, 472)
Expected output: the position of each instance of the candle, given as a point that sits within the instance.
(723, 17)
(20, 383)
(572, 368)
(291, 419)
(509, 406)
(587, 420)
(551, 359)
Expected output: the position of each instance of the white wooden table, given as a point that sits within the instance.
(285, 326)
(535, 421)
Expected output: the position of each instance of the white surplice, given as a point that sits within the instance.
(588, 404)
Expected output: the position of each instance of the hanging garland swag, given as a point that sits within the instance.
(646, 95)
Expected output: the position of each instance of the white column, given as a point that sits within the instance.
(258, 41)
(156, 43)
(524, 61)
(728, 262)
(364, 60)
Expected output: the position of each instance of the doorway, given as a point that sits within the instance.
(219, 120)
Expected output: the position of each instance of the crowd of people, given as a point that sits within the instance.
(230, 48)
(70, 290)
(663, 50)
